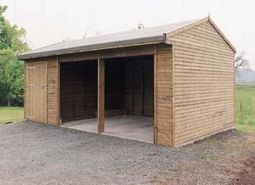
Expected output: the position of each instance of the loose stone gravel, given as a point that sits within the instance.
(33, 153)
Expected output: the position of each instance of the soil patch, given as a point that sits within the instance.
(247, 175)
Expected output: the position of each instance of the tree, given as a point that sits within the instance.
(241, 63)
(11, 37)
(11, 69)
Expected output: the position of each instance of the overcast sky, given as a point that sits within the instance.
(50, 21)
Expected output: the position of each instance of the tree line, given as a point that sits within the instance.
(11, 69)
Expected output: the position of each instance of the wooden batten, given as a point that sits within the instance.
(109, 53)
(101, 96)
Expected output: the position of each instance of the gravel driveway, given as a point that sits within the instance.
(33, 153)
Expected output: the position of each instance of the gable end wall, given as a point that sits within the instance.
(203, 87)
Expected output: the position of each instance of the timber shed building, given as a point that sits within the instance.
(168, 85)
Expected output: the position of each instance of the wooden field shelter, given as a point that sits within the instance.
(179, 76)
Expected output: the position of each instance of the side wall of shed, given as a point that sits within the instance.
(163, 112)
(52, 95)
(203, 83)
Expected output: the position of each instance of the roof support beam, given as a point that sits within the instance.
(110, 53)
(101, 96)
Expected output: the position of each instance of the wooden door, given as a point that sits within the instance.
(36, 82)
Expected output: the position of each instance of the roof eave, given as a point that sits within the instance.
(96, 47)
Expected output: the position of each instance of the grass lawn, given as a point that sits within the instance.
(11, 114)
(245, 108)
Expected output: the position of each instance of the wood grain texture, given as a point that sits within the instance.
(203, 83)
(42, 91)
(53, 92)
(78, 86)
(36, 91)
(163, 115)
(139, 85)
(193, 84)
(109, 53)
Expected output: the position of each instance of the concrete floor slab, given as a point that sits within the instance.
(129, 127)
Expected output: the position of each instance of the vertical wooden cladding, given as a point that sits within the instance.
(49, 69)
(78, 90)
(163, 95)
(203, 83)
(36, 91)
(139, 85)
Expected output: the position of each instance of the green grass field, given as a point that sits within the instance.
(245, 108)
(11, 114)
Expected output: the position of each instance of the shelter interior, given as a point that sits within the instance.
(128, 96)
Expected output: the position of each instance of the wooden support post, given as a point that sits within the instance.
(100, 96)
(155, 96)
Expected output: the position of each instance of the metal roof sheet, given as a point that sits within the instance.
(121, 39)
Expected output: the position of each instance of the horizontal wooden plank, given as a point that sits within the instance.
(203, 83)
(164, 112)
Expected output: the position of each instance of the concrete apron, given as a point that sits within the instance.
(128, 127)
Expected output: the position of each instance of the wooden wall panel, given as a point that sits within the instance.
(53, 92)
(139, 86)
(148, 87)
(163, 97)
(50, 86)
(122, 96)
(78, 90)
(114, 86)
(129, 89)
(203, 83)
(36, 91)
